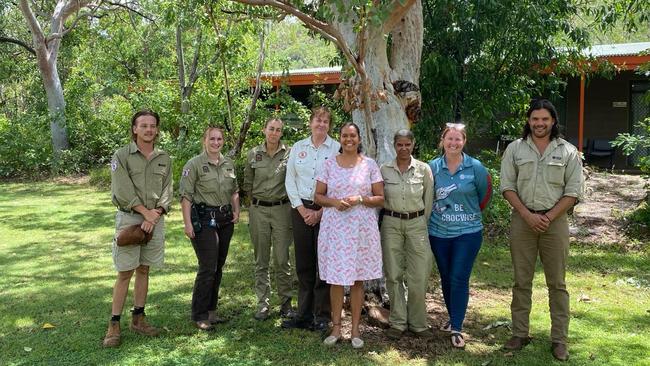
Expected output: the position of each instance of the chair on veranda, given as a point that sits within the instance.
(600, 148)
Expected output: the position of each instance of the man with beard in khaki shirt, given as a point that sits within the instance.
(541, 177)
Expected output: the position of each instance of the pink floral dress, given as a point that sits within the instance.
(349, 247)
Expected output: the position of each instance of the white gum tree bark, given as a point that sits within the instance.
(46, 48)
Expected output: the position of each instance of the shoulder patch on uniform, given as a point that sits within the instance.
(113, 165)
(206, 169)
(258, 156)
(186, 172)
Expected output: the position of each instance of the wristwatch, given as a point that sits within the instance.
(361, 200)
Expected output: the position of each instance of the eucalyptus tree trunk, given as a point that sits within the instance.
(47, 51)
(390, 104)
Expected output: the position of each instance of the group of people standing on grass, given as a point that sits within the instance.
(350, 220)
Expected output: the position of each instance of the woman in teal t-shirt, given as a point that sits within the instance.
(463, 189)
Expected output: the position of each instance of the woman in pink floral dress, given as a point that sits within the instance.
(350, 188)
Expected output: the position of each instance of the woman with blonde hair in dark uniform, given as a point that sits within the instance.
(210, 206)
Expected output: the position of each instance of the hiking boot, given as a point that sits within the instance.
(204, 325)
(112, 338)
(516, 343)
(214, 319)
(560, 352)
(423, 334)
(286, 310)
(393, 333)
(262, 313)
(140, 326)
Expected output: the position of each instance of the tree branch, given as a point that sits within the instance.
(329, 32)
(251, 109)
(35, 27)
(18, 42)
(180, 58)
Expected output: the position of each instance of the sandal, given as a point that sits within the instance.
(446, 327)
(457, 340)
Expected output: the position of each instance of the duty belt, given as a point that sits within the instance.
(222, 209)
(404, 216)
(269, 203)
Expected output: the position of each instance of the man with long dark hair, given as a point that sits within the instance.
(541, 178)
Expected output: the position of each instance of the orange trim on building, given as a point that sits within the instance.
(302, 79)
(629, 62)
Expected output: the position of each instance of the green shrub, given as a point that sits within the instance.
(100, 177)
(26, 148)
(496, 216)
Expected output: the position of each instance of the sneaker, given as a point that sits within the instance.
(112, 338)
(262, 313)
(140, 326)
(357, 343)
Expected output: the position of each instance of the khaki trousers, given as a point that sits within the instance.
(407, 261)
(270, 228)
(553, 249)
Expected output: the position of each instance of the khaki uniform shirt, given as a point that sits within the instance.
(138, 181)
(541, 180)
(411, 191)
(205, 182)
(264, 174)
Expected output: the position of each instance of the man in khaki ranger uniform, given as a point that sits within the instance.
(141, 187)
(541, 177)
(270, 218)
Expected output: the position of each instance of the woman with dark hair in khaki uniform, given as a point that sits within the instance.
(210, 204)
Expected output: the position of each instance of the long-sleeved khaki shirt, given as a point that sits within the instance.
(264, 174)
(410, 191)
(205, 182)
(541, 180)
(138, 181)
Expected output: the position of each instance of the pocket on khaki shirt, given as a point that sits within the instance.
(526, 169)
(555, 172)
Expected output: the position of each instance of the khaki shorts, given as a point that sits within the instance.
(127, 258)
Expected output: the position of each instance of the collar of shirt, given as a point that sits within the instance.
(467, 163)
(281, 147)
(551, 146)
(327, 143)
(393, 164)
(133, 148)
(205, 160)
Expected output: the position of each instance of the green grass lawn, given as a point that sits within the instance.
(56, 268)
